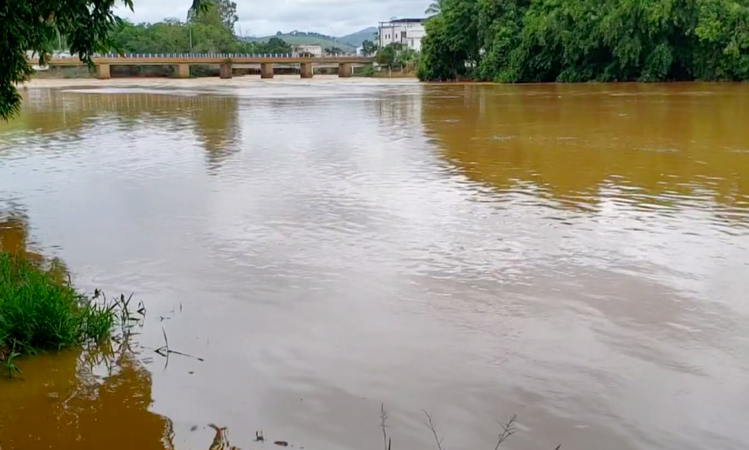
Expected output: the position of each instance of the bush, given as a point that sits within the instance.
(38, 311)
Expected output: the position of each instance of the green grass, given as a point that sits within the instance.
(39, 312)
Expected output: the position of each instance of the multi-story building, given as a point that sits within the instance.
(407, 32)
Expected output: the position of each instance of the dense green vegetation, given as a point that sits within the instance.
(40, 311)
(583, 40)
(210, 31)
(173, 36)
(397, 56)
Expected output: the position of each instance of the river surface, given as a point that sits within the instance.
(577, 255)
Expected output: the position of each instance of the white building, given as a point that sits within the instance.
(312, 50)
(407, 32)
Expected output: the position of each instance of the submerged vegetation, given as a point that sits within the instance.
(585, 40)
(39, 311)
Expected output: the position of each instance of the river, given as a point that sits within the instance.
(577, 255)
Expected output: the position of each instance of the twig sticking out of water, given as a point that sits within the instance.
(383, 424)
(508, 429)
(429, 422)
(165, 351)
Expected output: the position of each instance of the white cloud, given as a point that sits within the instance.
(260, 18)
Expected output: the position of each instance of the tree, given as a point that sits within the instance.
(216, 12)
(35, 26)
(31, 25)
(387, 56)
(228, 11)
(439, 61)
(273, 46)
(407, 59)
(173, 36)
(369, 48)
(433, 8)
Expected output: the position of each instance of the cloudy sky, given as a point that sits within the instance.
(263, 17)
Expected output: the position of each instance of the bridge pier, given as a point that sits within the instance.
(182, 62)
(102, 72)
(183, 70)
(225, 72)
(266, 70)
(344, 70)
(307, 71)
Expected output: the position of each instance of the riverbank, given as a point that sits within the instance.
(41, 311)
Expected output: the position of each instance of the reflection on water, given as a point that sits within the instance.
(652, 146)
(69, 116)
(573, 254)
(61, 403)
(14, 239)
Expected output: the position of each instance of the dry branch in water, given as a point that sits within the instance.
(508, 429)
(383, 424)
(429, 422)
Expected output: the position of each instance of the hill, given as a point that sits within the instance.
(355, 39)
(298, 37)
(347, 43)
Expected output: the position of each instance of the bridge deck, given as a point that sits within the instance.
(174, 60)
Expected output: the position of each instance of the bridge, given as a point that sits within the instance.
(183, 61)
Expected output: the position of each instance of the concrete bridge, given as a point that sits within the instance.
(182, 62)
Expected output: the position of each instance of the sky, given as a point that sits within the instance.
(263, 17)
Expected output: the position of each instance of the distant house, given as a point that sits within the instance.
(308, 50)
(407, 32)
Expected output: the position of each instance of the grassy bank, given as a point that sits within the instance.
(39, 311)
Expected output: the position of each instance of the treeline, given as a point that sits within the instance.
(584, 40)
(173, 36)
(210, 31)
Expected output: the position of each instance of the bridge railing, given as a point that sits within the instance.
(197, 55)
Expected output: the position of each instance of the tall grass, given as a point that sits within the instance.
(38, 311)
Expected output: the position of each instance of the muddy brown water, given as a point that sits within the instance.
(575, 255)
